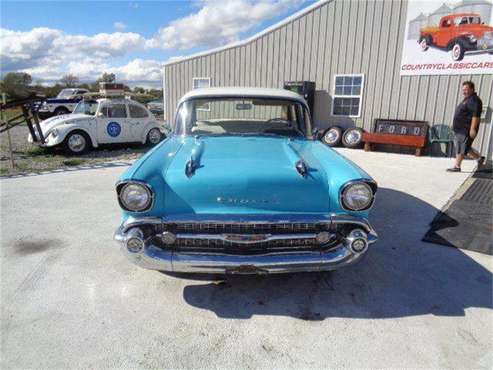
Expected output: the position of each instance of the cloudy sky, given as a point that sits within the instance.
(129, 38)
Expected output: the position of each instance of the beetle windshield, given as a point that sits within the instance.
(87, 107)
(238, 116)
(65, 93)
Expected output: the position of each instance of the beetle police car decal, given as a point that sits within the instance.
(114, 129)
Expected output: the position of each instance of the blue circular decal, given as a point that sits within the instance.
(114, 129)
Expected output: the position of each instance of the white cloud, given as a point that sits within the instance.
(119, 26)
(139, 70)
(48, 53)
(218, 22)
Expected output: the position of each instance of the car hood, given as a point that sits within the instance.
(55, 121)
(243, 174)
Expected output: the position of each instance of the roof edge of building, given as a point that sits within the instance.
(258, 35)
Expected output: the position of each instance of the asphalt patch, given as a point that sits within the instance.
(467, 222)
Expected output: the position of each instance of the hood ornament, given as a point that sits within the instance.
(190, 168)
(194, 161)
(301, 168)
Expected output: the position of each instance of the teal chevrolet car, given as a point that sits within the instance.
(242, 186)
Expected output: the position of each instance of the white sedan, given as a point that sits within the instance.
(102, 121)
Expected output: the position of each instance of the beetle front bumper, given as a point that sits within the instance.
(154, 257)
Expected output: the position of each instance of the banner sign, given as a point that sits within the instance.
(444, 38)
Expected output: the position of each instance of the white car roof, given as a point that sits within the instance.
(118, 101)
(247, 92)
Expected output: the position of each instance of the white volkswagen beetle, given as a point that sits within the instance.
(101, 121)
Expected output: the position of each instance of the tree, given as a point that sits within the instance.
(17, 78)
(16, 85)
(107, 77)
(69, 80)
(139, 90)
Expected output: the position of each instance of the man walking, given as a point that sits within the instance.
(466, 125)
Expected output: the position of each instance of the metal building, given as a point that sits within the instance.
(356, 45)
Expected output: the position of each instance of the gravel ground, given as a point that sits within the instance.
(31, 158)
(70, 299)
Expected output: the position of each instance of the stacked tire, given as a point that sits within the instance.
(350, 138)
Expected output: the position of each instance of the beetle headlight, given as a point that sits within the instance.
(135, 197)
(357, 196)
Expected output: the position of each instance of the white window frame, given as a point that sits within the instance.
(193, 88)
(200, 78)
(360, 96)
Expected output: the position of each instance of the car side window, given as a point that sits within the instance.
(136, 111)
(114, 111)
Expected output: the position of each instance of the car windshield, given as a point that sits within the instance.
(65, 93)
(87, 107)
(241, 116)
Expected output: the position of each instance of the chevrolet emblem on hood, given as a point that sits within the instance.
(245, 201)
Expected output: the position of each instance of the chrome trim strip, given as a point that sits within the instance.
(132, 222)
(231, 237)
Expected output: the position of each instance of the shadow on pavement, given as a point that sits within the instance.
(400, 276)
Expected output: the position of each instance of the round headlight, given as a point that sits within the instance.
(357, 196)
(135, 197)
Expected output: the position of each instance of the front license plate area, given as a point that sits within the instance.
(246, 270)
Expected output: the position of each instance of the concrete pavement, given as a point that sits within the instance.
(70, 298)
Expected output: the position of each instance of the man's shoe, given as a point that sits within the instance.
(453, 169)
(481, 161)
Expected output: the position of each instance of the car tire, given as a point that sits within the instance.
(424, 43)
(76, 142)
(352, 137)
(154, 136)
(458, 51)
(332, 136)
(61, 110)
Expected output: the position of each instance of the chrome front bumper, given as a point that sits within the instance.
(154, 257)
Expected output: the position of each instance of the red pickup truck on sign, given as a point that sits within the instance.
(461, 33)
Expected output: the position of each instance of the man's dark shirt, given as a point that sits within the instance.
(470, 107)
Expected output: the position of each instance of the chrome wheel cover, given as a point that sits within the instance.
(456, 52)
(154, 136)
(423, 44)
(331, 136)
(76, 143)
(353, 136)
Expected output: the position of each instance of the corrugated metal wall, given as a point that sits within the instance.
(338, 37)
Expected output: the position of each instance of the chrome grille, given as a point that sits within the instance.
(244, 227)
(292, 237)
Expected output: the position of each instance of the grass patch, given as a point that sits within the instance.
(73, 162)
(11, 113)
(36, 151)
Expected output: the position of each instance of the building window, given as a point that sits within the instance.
(199, 83)
(348, 90)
